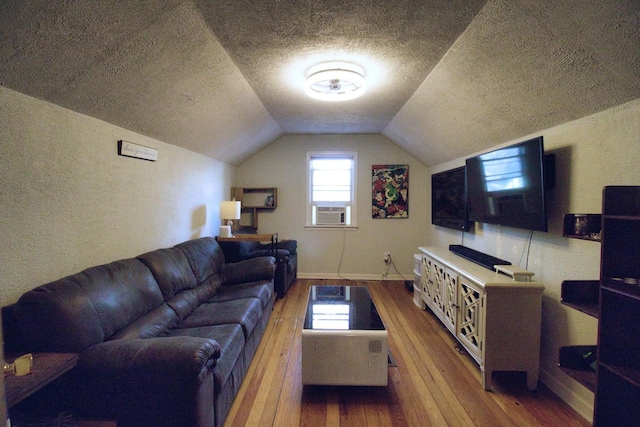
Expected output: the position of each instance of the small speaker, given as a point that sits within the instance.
(549, 171)
(375, 346)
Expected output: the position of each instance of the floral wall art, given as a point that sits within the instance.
(390, 191)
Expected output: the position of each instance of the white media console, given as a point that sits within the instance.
(496, 317)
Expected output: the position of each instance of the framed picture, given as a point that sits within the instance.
(390, 188)
(137, 151)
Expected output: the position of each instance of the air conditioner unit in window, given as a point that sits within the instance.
(330, 215)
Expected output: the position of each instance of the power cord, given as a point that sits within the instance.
(344, 243)
(527, 249)
(393, 264)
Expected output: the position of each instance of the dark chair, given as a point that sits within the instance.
(285, 254)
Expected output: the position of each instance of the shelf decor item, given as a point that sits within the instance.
(390, 193)
(580, 226)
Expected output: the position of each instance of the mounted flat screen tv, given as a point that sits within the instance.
(449, 199)
(506, 186)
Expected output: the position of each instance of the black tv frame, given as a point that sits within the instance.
(534, 216)
(457, 178)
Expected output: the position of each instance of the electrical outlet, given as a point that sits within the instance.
(387, 264)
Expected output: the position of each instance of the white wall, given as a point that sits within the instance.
(351, 254)
(68, 201)
(591, 153)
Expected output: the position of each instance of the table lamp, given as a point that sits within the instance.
(229, 210)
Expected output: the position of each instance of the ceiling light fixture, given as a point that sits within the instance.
(335, 84)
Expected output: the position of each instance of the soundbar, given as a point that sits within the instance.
(480, 258)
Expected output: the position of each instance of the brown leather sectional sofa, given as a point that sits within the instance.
(165, 338)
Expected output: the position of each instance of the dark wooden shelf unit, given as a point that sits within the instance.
(618, 367)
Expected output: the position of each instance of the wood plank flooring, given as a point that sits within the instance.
(435, 383)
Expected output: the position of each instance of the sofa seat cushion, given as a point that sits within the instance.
(231, 340)
(245, 311)
(156, 323)
(261, 290)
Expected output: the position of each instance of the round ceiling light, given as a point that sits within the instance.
(335, 84)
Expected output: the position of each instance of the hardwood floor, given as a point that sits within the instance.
(434, 384)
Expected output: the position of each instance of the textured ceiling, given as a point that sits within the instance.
(224, 78)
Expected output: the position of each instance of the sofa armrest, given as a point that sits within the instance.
(163, 381)
(250, 270)
(166, 356)
(287, 245)
(281, 255)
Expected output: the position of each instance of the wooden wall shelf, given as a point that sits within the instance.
(578, 362)
(582, 295)
(592, 229)
(254, 200)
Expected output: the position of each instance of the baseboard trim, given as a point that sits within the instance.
(335, 276)
(579, 404)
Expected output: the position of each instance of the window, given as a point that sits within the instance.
(331, 189)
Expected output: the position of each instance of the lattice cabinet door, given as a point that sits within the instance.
(427, 279)
(437, 298)
(469, 330)
(450, 300)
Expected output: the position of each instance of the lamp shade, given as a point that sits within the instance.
(230, 210)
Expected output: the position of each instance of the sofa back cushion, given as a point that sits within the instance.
(171, 269)
(206, 261)
(78, 311)
(205, 257)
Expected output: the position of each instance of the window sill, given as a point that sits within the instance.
(331, 227)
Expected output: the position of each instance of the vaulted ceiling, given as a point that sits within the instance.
(225, 77)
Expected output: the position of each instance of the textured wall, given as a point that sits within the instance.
(521, 66)
(590, 153)
(319, 251)
(68, 201)
(152, 67)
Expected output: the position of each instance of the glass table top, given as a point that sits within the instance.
(341, 308)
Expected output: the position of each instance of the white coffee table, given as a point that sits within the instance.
(344, 341)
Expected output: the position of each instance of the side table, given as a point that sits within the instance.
(46, 368)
